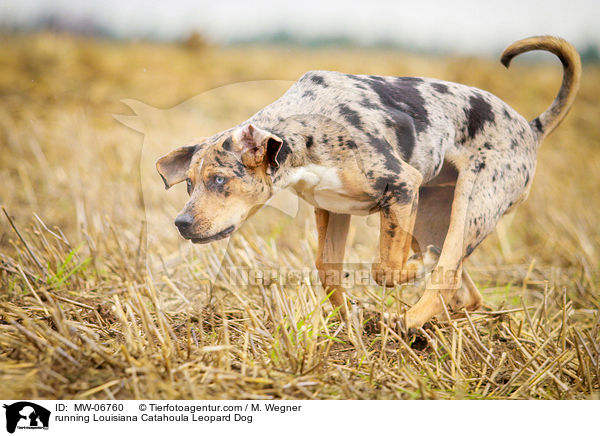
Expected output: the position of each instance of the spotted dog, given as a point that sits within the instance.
(440, 162)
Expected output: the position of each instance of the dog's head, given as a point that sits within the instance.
(227, 180)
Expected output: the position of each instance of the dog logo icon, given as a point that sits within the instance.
(26, 415)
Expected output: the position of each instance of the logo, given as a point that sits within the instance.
(26, 415)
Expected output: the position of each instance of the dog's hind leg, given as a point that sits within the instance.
(333, 230)
(485, 189)
(445, 279)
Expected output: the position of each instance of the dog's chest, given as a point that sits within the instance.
(322, 187)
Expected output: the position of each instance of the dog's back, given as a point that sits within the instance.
(419, 120)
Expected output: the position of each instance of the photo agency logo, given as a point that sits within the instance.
(25, 415)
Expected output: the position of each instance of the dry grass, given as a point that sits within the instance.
(100, 299)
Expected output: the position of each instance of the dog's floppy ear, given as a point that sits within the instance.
(257, 146)
(174, 165)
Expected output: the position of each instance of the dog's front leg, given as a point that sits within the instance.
(395, 239)
(395, 236)
(333, 230)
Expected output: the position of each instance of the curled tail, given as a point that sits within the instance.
(547, 121)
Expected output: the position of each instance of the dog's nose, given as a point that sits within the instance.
(184, 221)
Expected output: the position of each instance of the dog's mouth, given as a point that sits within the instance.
(221, 235)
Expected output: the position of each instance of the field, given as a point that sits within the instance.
(100, 298)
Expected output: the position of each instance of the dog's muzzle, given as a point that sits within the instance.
(184, 224)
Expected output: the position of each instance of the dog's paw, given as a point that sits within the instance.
(416, 268)
(375, 323)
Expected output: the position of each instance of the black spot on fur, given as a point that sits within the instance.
(318, 80)
(404, 128)
(441, 88)
(309, 141)
(227, 144)
(526, 171)
(507, 115)
(377, 78)
(366, 103)
(478, 113)
(308, 94)
(351, 116)
(410, 79)
(390, 191)
(239, 169)
(402, 95)
(399, 94)
(488, 146)
(384, 149)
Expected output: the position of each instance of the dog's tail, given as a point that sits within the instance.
(547, 121)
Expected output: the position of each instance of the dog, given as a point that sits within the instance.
(440, 162)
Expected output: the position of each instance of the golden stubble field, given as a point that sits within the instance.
(100, 298)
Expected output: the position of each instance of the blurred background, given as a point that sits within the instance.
(459, 27)
(91, 93)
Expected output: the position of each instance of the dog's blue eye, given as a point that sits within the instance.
(219, 180)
